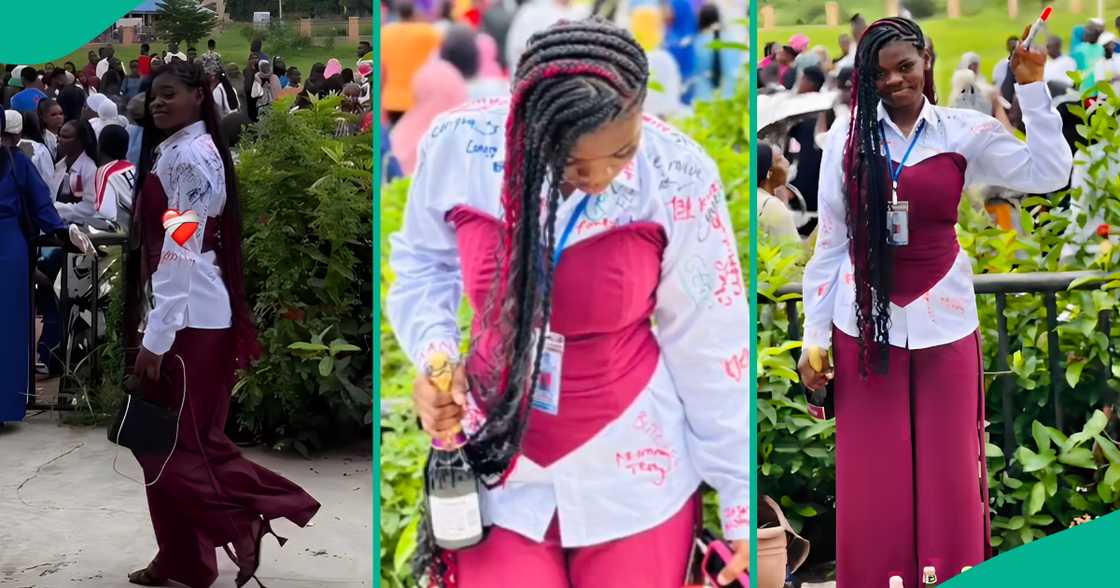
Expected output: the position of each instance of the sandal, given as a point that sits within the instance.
(147, 577)
(249, 562)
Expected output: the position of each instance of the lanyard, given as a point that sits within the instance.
(896, 173)
(582, 206)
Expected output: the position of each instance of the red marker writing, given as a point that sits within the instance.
(1037, 25)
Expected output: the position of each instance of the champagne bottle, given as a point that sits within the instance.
(896, 582)
(929, 576)
(452, 486)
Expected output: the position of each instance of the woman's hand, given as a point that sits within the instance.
(740, 563)
(1027, 65)
(147, 365)
(440, 412)
(816, 377)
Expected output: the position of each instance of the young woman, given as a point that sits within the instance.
(774, 214)
(225, 98)
(197, 332)
(31, 141)
(50, 121)
(26, 211)
(73, 180)
(597, 486)
(890, 290)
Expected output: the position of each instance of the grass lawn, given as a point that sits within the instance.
(984, 32)
(234, 48)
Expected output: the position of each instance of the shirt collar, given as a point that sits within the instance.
(927, 114)
(184, 134)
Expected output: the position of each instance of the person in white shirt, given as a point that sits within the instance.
(534, 16)
(1107, 69)
(116, 178)
(774, 216)
(173, 52)
(1058, 65)
(72, 184)
(895, 303)
(107, 113)
(22, 130)
(225, 98)
(106, 53)
(187, 294)
(610, 459)
(51, 119)
(999, 72)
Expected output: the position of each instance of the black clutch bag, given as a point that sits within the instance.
(143, 426)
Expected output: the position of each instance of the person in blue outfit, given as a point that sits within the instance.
(390, 167)
(27, 100)
(680, 39)
(26, 211)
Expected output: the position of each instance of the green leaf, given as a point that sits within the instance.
(1073, 372)
(1078, 457)
(326, 366)
(1032, 462)
(311, 348)
(406, 545)
(1016, 523)
(1111, 451)
(1041, 436)
(340, 346)
(1038, 498)
(1112, 476)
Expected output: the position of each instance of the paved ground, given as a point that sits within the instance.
(67, 519)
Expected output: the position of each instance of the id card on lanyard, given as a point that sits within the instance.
(898, 213)
(546, 393)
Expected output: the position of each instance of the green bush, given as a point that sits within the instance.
(281, 38)
(1052, 476)
(721, 128)
(308, 228)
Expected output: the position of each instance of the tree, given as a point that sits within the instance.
(184, 21)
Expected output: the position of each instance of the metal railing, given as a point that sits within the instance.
(66, 302)
(1048, 284)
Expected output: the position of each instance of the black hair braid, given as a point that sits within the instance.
(867, 190)
(574, 78)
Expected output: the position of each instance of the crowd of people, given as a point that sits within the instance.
(438, 54)
(789, 159)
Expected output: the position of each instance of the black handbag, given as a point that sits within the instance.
(143, 426)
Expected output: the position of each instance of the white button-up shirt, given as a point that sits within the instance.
(690, 422)
(947, 312)
(187, 288)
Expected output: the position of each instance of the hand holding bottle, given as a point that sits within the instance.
(439, 397)
(815, 368)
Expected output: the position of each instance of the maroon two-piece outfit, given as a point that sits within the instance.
(911, 480)
(208, 495)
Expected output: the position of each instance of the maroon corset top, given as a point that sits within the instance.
(603, 295)
(933, 189)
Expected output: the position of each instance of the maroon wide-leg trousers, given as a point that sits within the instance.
(911, 480)
(208, 494)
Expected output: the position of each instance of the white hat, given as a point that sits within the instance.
(13, 122)
(1106, 38)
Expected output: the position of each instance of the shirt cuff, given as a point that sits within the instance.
(157, 341)
(819, 336)
(1033, 96)
(735, 517)
(448, 346)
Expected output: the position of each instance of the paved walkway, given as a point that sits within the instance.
(67, 519)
